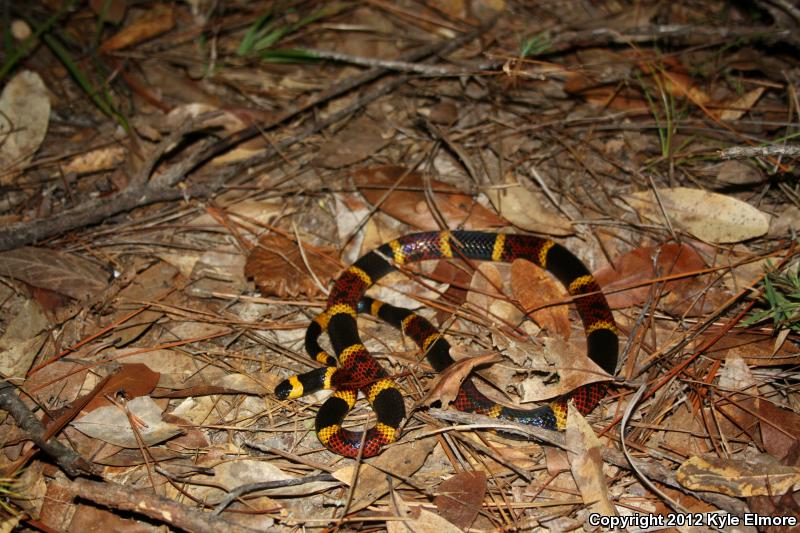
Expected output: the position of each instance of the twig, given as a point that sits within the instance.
(687, 34)
(145, 502)
(69, 460)
(241, 490)
(744, 152)
(439, 71)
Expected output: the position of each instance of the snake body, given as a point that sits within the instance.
(354, 369)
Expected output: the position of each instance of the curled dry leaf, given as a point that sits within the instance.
(709, 216)
(278, 268)
(447, 384)
(408, 204)
(56, 271)
(524, 209)
(24, 116)
(111, 424)
(737, 477)
(585, 452)
(534, 287)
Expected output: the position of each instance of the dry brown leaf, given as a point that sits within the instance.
(733, 109)
(360, 139)
(448, 382)
(573, 367)
(22, 339)
(533, 287)
(523, 208)
(278, 268)
(739, 173)
(484, 294)
(419, 520)
(459, 498)
(24, 116)
(402, 459)
(407, 202)
(158, 19)
(585, 452)
(105, 158)
(637, 266)
(112, 11)
(130, 381)
(780, 428)
(149, 285)
(709, 216)
(737, 477)
(56, 271)
(112, 425)
(754, 348)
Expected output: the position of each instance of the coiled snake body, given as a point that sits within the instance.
(358, 370)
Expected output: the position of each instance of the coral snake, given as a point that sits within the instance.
(354, 369)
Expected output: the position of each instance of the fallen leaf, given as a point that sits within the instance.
(585, 452)
(112, 11)
(739, 173)
(360, 139)
(98, 160)
(486, 292)
(523, 208)
(638, 266)
(418, 520)
(733, 109)
(401, 459)
(150, 285)
(737, 477)
(22, 339)
(780, 428)
(459, 498)
(157, 19)
(278, 268)
(448, 382)
(111, 424)
(574, 369)
(533, 287)
(234, 473)
(24, 116)
(709, 216)
(53, 270)
(407, 202)
(753, 347)
(130, 381)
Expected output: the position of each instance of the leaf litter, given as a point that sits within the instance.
(174, 209)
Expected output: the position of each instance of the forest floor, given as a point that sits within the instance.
(181, 185)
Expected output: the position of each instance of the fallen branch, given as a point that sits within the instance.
(744, 152)
(68, 459)
(147, 503)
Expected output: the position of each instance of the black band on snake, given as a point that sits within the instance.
(358, 370)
